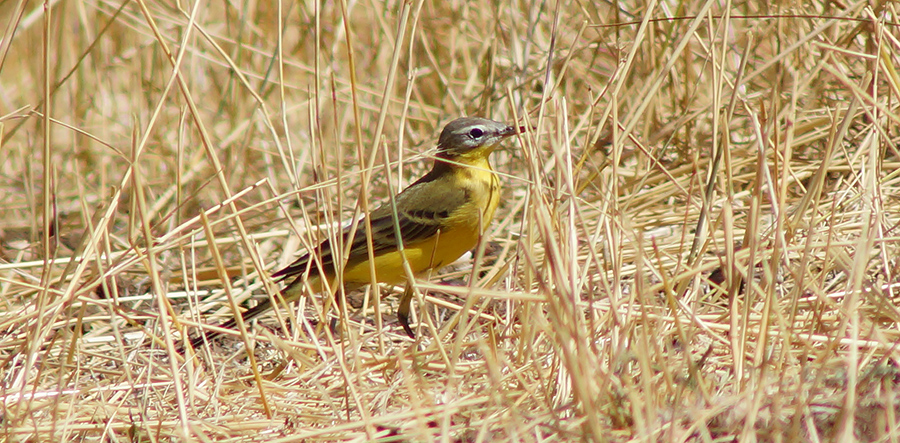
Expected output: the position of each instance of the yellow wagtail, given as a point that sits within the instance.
(440, 217)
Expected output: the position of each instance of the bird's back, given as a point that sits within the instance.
(441, 216)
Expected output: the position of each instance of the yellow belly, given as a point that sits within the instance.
(429, 254)
(462, 232)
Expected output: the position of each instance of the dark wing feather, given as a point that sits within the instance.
(422, 209)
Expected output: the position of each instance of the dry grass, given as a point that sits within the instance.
(697, 242)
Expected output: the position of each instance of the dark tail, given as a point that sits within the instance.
(248, 315)
(291, 292)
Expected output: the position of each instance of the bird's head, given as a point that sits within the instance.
(472, 138)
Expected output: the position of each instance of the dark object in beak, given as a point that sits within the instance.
(511, 130)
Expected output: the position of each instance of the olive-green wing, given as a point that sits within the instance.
(422, 210)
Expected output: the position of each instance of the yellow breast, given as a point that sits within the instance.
(462, 230)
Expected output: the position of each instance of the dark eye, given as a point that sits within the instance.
(476, 133)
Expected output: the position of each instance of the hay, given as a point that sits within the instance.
(697, 241)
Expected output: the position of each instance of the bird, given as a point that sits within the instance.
(440, 217)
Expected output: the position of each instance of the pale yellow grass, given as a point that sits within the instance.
(697, 241)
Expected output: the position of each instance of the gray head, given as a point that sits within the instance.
(472, 135)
